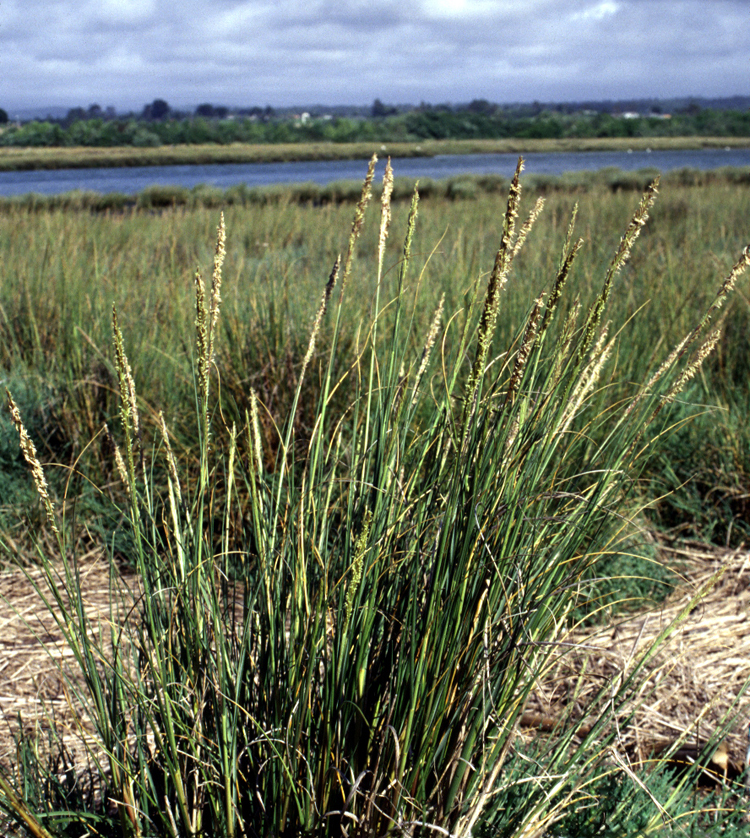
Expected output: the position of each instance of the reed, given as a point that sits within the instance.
(344, 600)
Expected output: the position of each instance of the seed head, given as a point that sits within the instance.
(28, 450)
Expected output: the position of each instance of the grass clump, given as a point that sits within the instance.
(336, 623)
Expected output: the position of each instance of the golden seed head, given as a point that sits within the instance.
(357, 566)
(125, 376)
(385, 216)
(28, 449)
(429, 343)
(359, 216)
(256, 431)
(691, 370)
(527, 343)
(128, 405)
(527, 225)
(119, 461)
(201, 334)
(219, 256)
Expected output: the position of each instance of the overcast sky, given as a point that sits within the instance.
(126, 53)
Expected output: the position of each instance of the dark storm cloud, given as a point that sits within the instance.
(128, 52)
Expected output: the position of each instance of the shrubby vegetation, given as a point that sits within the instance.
(212, 125)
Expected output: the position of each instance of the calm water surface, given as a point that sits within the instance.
(132, 180)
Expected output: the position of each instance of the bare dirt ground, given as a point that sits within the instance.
(34, 654)
(697, 684)
(697, 679)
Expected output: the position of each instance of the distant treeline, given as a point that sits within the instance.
(383, 125)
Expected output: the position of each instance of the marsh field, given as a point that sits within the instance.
(361, 482)
(24, 158)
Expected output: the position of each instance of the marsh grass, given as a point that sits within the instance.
(458, 188)
(338, 619)
(13, 159)
(63, 267)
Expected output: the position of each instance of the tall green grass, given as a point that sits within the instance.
(61, 270)
(344, 600)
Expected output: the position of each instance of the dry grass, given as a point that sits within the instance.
(35, 653)
(695, 689)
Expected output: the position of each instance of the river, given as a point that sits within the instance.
(131, 180)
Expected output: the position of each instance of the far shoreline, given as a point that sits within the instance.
(29, 159)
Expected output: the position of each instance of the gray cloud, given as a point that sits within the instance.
(244, 52)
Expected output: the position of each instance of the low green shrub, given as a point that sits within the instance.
(157, 196)
(462, 189)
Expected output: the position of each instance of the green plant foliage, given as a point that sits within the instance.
(353, 572)
(423, 123)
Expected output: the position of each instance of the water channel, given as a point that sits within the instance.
(130, 180)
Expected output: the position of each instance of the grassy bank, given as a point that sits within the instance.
(16, 159)
(364, 498)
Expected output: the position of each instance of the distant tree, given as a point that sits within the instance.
(210, 112)
(228, 131)
(94, 111)
(143, 138)
(85, 132)
(74, 115)
(158, 109)
(199, 131)
(481, 106)
(40, 134)
(3, 116)
(380, 110)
